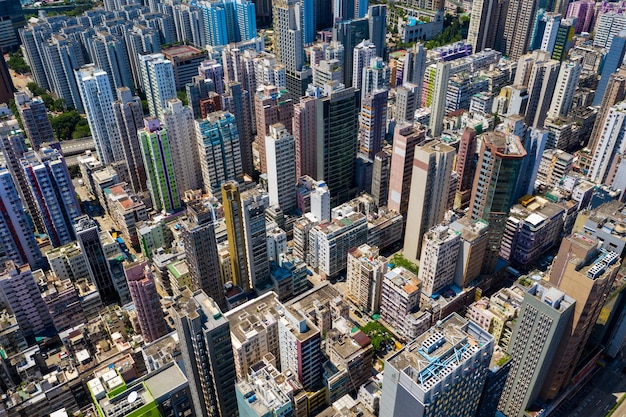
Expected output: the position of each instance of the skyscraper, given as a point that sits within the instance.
(253, 205)
(88, 237)
(271, 105)
(12, 16)
(612, 61)
(157, 158)
(220, 154)
(414, 68)
(6, 83)
(35, 119)
(466, 166)
(109, 54)
(517, 30)
(500, 159)
(128, 120)
(486, 24)
(365, 273)
(543, 76)
(407, 96)
(305, 136)
(52, 188)
(281, 173)
(376, 76)
(179, 120)
(198, 237)
(430, 193)
(337, 115)
(380, 177)
(237, 102)
(438, 107)
(20, 293)
(372, 123)
(440, 250)
(405, 137)
(609, 144)
(231, 200)
(542, 322)
(415, 384)
(377, 18)
(159, 83)
(147, 301)
(97, 97)
(614, 93)
(564, 89)
(288, 34)
(362, 55)
(207, 353)
(17, 239)
(350, 33)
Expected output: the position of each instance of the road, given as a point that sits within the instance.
(599, 395)
(77, 146)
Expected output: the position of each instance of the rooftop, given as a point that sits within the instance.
(181, 52)
(253, 317)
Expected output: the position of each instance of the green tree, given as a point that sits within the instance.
(64, 124)
(378, 334)
(17, 63)
(182, 96)
(399, 259)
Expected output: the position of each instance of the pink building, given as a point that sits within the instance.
(583, 11)
(305, 135)
(405, 137)
(147, 302)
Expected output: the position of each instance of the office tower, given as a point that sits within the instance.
(88, 237)
(157, 158)
(12, 17)
(253, 205)
(407, 96)
(486, 23)
(300, 346)
(237, 102)
(147, 301)
(220, 154)
(17, 239)
(110, 55)
(281, 175)
(438, 107)
(365, 273)
(128, 115)
(583, 12)
(612, 62)
(207, 353)
(372, 123)
(376, 76)
(405, 137)
(198, 238)
(350, 33)
(35, 119)
(377, 19)
(52, 188)
(541, 84)
(288, 34)
(415, 68)
(20, 293)
(500, 159)
(563, 41)
(185, 60)
(466, 166)
(343, 10)
(542, 322)
(159, 83)
(13, 147)
(6, 83)
(609, 145)
(440, 250)
(380, 178)
(231, 201)
(271, 106)
(337, 136)
(564, 90)
(97, 97)
(585, 273)
(363, 54)
(415, 385)
(516, 33)
(305, 136)
(614, 93)
(430, 193)
(179, 121)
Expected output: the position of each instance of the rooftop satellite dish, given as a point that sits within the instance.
(132, 397)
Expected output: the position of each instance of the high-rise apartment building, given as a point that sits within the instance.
(198, 238)
(609, 145)
(414, 68)
(271, 106)
(366, 270)
(430, 193)
(400, 296)
(541, 83)
(207, 353)
(20, 293)
(17, 238)
(564, 89)
(380, 177)
(253, 205)
(35, 119)
(372, 123)
(288, 34)
(281, 173)
(97, 97)
(516, 32)
(543, 319)
(220, 154)
(109, 54)
(305, 136)
(440, 250)
(157, 158)
(363, 54)
(405, 138)
(53, 191)
(613, 61)
(128, 120)
(147, 301)
(375, 76)
(438, 107)
(495, 189)
(415, 384)
(474, 239)
(231, 200)
(407, 96)
(465, 166)
(179, 121)
(159, 83)
(486, 22)
(237, 102)
(614, 93)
